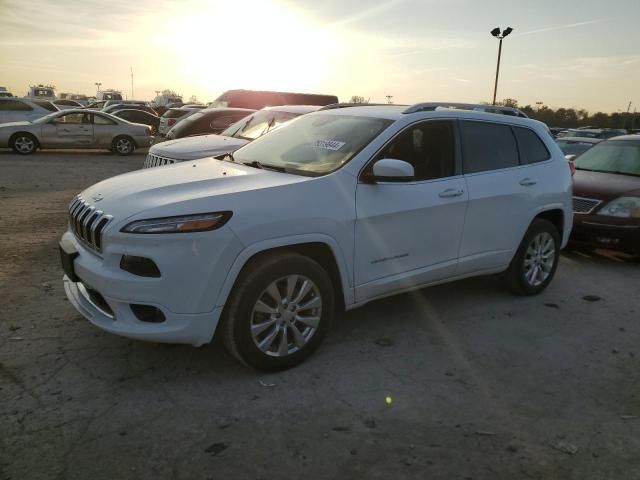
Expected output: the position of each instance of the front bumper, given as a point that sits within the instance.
(598, 231)
(195, 329)
(193, 269)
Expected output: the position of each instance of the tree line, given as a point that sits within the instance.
(564, 117)
(570, 117)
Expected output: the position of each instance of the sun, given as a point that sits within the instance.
(256, 44)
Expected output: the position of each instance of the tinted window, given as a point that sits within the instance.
(14, 105)
(532, 150)
(487, 146)
(175, 113)
(429, 147)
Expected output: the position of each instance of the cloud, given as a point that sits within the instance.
(562, 27)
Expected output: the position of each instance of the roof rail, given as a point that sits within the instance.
(431, 106)
(334, 106)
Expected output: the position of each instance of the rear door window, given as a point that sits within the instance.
(487, 146)
(532, 149)
(14, 105)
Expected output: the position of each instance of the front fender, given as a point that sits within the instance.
(245, 255)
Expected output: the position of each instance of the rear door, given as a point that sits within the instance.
(104, 130)
(503, 192)
(408, 233)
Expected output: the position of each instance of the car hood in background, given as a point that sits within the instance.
(604, 186)
(192, 148)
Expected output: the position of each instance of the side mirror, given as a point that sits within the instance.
(392, 170)
(570, 158)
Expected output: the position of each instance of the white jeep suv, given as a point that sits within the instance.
(335, 209)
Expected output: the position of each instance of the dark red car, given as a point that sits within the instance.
(606, 196)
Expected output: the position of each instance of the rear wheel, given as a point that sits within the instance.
(123, 146)
(536, 260)
(24, 143)
(279, 311)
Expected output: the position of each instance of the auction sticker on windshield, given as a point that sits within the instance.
(329, 144)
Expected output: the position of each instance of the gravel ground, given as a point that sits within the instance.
(460, 381)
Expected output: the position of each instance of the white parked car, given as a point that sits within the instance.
(22, 109)
(240, 133)
(336, 209)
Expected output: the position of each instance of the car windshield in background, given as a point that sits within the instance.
(574, 147)
(258, 124)
(313, 144)
(612, 157)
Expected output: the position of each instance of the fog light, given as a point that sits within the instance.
(141, 266)
(147, 313)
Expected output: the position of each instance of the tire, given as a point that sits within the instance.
(24, 143)
(123, 145)
(540, 248)
(253, 303)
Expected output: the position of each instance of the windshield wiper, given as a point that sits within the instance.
(256, 164)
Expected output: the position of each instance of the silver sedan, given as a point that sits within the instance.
(75, 128)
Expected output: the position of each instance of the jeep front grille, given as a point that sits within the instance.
(585, 205)
(87, 223)
(153, 160)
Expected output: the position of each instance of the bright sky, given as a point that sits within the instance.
(572, 53)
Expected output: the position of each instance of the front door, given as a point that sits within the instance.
(408, 234)
(71, 130)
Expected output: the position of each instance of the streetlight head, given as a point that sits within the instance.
(507, 31)
(495, 32)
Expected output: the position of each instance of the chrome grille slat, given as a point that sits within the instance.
(153, 160)
(585, 205)
(87, 223)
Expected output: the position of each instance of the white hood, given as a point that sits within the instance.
(201, 146)
(187, 187)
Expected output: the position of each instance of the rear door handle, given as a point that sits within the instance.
(527, 182)
(450, 192)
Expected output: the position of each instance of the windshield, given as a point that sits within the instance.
(315, 144)
(256, 125)
(612, 157)
(574, 147)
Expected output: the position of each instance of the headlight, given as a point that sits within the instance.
(626, 207)
(183, 224)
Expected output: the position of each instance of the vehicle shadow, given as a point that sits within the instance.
(72, 152)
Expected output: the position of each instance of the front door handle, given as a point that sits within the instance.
(450, 192)
(527, 182)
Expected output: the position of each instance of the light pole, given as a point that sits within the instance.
(500, 36)
(98, 84)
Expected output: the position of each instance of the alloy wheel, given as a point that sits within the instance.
(24, 144)
(123, 145)
(539, 259)
(286, 315)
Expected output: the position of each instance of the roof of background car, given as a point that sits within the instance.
(224, 110)
(580, 139)
(301, 109)
(633, 137)
(129, 110)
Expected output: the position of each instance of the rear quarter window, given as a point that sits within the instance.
(532, 149)
(487, 146)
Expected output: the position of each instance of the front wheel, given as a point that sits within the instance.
(123, 146)
(279, 311)
(536, 260)
(24, 144)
